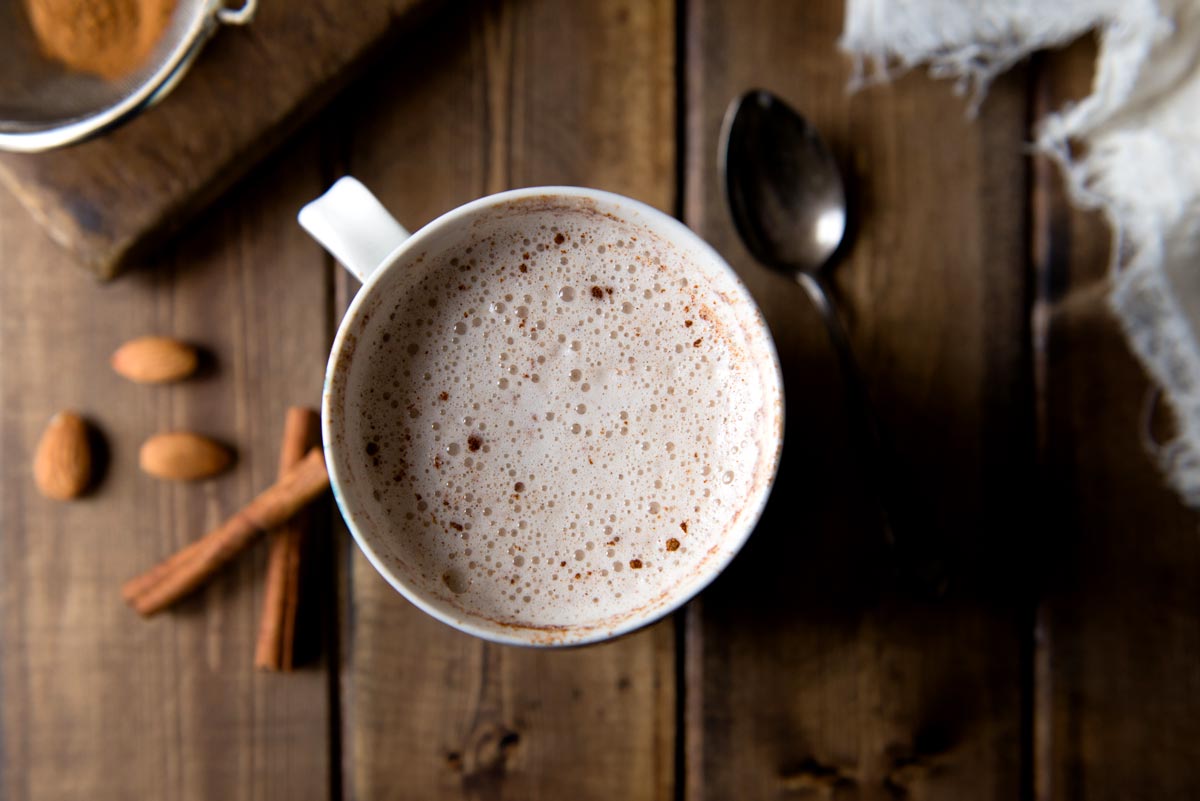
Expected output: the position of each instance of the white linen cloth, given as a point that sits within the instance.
(1137, 136)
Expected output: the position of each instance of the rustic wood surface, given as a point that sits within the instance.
(861, 686)
(1058, 664)
(1118, 660)
(110, 201)
(96, 703)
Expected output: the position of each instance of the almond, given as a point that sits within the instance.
(62, 466)
(183, 456)
(155, 360)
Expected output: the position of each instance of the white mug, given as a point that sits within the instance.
(352, 225)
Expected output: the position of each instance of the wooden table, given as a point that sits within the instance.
(1063, 664)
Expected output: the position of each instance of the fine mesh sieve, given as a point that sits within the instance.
(44, 104)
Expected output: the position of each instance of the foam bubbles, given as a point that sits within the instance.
(554, 405)
(456, 581)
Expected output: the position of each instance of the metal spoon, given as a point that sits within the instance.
(788, 202)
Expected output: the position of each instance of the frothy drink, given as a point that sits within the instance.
(561, 415)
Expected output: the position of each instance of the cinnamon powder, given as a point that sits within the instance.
(108, 38)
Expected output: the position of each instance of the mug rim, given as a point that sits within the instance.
(518, 635)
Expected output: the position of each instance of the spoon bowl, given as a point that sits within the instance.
(785, 190)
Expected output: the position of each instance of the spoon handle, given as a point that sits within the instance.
(873, 448)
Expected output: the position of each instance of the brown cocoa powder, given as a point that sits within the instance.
(108, 38)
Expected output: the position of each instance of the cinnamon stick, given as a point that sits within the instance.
(178, 575)
(281, 596)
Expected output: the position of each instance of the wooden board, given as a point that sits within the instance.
(811, 672)
(111, 200)
(1119, 644)
(526, 93)
(98, 703)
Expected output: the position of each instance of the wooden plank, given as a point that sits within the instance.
(111, 200)
(1119, 643)
(810, 671)
(517, 94)
(98, 703)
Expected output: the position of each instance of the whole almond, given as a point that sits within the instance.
(183, 456)
(155, 360)
(62, 466)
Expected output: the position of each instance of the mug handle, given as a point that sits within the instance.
(353, 226)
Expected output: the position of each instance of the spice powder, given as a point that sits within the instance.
(108, 38)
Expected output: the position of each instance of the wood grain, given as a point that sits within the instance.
(111, 200)
(810, 671)
(513, 94)
(98, 703)
(1119, 645)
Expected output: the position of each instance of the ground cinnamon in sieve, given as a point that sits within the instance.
(108, 38)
